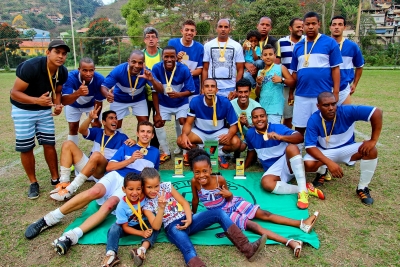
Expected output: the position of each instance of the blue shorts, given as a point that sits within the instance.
(28, 123)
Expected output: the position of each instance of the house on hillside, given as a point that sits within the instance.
(34, 48)
(41, 35)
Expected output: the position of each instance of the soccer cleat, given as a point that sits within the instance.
(319, 179)
(36, 228)
(365, 197)
(61, 195)
(59, 187)
(55, 182)
(62, 244)
(177, 150)
(33, 192)
(222, 162)
(315, 191)
(302, 200)
(186, 160)
(72, 168)
(328, 176)
(164, 158)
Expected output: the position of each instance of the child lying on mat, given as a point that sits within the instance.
(168, 207)
(213, 192)
(130, 222)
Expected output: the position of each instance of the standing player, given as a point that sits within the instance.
(352, 57)
(223, 60)
(177, 86)
(315, 66)
(286, 45)
(81, 93)
(36, 90)
(206, 121)
(129, 80)
(330, 140)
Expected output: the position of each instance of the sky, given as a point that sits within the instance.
(106, 2)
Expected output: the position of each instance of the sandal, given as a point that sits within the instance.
(297, 249)
(308, 227)
(137, 259)
(110, 261)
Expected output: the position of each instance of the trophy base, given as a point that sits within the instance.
(178, 176)
(239, 177)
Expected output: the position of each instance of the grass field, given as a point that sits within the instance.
(351, 234)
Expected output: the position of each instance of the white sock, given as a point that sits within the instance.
(298, 170)
(74, 138)
(76, 183)
(74, 235)
(367, 168)
(80, 164)
(282, 188)
(301, 147)
(162, 139)
(65, 174)
(178, 128)
(53, 217)
(141, 249)
(220, 151)
(322, 169)
(110, 253)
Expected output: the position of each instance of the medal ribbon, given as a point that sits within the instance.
(263, 43)
(240, 129)
(172, 76)
(222, 53)
(102, 146)
(307, 56)
(130, 81)
(327, 137)
(341, 44)
(53, 87)
(138, 213)
(265, 134)
(214, 110)
(265, 71)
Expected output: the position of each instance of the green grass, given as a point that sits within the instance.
(350, 233)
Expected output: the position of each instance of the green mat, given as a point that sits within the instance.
(249, 189)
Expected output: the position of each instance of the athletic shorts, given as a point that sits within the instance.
(31, 123)
(281, 169)
(122, 109)
(287, 110)
(343, 95)
(225, 91)
(209, 137)
(179, 112)
(274, 119)
(303, 108)
(338, 155)
(73, 114)
(113, 183)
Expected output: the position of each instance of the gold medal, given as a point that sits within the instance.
(265, 136)
(144, 151)
(185, 57)
(306, 64)
(221, 59)
(247, 44)
(168, 89)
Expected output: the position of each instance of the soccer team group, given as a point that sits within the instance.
(245, 96)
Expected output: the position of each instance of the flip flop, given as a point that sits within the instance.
(308, 227)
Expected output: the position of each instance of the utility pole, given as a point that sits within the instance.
(357, 37)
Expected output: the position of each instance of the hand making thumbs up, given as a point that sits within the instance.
(83, 89)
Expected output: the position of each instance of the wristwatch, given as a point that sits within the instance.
(283, 80)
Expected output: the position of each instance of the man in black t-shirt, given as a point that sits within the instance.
(36, 90)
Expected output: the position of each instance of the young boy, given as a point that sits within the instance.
(270, 83)
(252, 54)
(130, 222)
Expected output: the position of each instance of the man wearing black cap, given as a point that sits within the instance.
(36, 90)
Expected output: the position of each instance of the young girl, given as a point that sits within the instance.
(169, 208)
(270, 83)
(213, 192)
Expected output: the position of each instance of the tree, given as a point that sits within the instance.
(40, 21)
(19, 22)
(9, 44)
(133, 12)
(203, 29)
(29, 34)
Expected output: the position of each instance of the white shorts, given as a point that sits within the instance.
(73, 114)
(225, 91)
(287, 110)
(303, 108)
(179, 112)
(281, 169)
(209, 137)
(343, 95)
(338, 155)
(113, 183)
(274, 119)
(122, 109)
(81, 164)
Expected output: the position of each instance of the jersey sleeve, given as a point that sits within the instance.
(23, 72)
(358, 113)
(231, 116)
(295, 61)
(98, 95)
(249, 137)
(283, 130)
(111, 79)
(358, 59)
(311, 136)
(188, 84)
(201, 56)
(192, 107)
(92, 133)
(335, 56)
(120, 214)
(68, 87)
(206, 56)
(119, 155)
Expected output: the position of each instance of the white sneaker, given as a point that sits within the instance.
(61, 195)
(60, 186)
(177, 150)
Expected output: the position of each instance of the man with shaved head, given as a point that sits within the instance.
(129, 80)
(223, 60)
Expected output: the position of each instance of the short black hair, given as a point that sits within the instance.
(210, 79)
(149, 173)
(257, 108)
(169, 47)
(146, 123)
(189, 22)
(324, 95)
(105, 114)
(132, 176)
(293, 20)
(339, 17)
(253, 34)
(311, 14)
(243, 83)
(196, 155)
(269, 46)
(86, 60)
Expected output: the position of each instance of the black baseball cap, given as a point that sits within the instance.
(58, 43)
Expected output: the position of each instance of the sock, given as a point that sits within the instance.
(140, 250)
(65, 174)
(178, 128)
(74, 138)
(110, 253)
(220, 151)
(301, 147)
(162, 139)
(322, 169)
(283, 188)
(76, 183)
(298, 170)
(53, 217)
(74, 235)
(78, 231)
(80, 165)
(367, 168)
